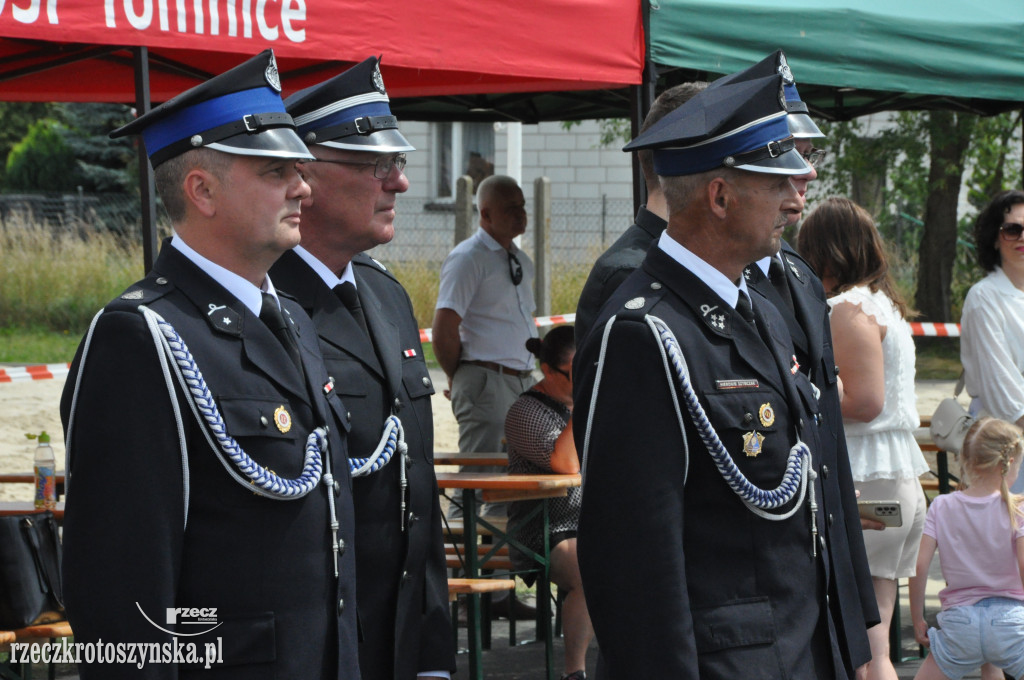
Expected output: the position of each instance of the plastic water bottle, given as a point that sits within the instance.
(45, 471)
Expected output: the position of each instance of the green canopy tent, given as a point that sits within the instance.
(849, 58)
(853, 58)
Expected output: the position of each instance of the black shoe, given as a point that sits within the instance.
(575, 675)
(520, 610)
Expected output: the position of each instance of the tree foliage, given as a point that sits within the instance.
(909, 172)
(103, 164)
(42, 160)
(15, 120)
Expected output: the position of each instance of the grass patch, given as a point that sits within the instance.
(37, 345)
(938, 358)
(58, 279)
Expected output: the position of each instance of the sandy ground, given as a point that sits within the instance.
(32, 406)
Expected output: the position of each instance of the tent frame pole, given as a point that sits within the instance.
(147, 187)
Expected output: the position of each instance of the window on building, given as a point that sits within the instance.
(462, 149)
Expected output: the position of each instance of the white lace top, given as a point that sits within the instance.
(885, 448)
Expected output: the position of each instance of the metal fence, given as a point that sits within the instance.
(580, 230)
(81, 211)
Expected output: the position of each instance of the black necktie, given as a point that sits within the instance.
(779, 280)
(270, 315)
(744, 308)
(346, 292)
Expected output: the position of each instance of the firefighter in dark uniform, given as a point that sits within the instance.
(209, 501)
(796, 292)
(371, 345)
(701, 540)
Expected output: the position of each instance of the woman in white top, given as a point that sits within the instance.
(874, 352)
(992, 342)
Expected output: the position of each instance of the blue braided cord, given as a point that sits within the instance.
(792, 481)
(393, 439)
(268, 482)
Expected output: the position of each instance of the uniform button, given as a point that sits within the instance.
(161, 281)
(748, 417)
(824, 471)
(348, 415)
(426, 381)
(837, 370)
(830, 519)
(341, 546)
(398, 404)
(263, 421)
(408, 460)
(655, 286)
(337, 488)
(801, 422)
(406, 576)
(341, 607)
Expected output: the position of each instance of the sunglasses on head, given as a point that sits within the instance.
(1011, 231)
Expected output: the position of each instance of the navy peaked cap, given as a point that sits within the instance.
(349, 111)
(800, 123)
(238, 112)
(740, 125)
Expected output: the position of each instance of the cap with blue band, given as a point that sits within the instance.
(238, 112)
(349, 111)
(742, 125)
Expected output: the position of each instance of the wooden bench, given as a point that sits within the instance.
(457, 527)
(477, 586)
(455, 559)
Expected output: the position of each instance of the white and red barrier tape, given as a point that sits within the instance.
(45, 371)
(940, 330)
(41, 372)
(426, 335)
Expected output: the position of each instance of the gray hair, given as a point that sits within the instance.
(169, 176)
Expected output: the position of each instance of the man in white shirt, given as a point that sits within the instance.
(484, 317)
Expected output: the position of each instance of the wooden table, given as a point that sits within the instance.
(30, 478)
(504, 487)
(21, 507)
(470, 458)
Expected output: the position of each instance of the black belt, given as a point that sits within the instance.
(498, 368)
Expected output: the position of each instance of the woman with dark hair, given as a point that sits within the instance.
(992, 340)
(874, 352)
(538, 430)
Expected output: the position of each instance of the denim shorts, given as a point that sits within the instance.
(991, 630)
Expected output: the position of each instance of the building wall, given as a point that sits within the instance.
(591, 190)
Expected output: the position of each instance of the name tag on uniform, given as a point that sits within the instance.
(740, 384)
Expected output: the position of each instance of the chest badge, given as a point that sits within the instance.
(752, 443)
(282, 419)
(766, 414)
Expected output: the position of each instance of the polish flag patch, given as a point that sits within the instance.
(409, 353)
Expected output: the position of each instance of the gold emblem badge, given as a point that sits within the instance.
(752, 442)
(282, 419)
(767, 415)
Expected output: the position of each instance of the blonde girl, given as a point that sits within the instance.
(980, 531)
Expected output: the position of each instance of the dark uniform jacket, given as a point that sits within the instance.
(154, 523)
(683, 580)
(614, 266)
(808, 324)
(403, 585)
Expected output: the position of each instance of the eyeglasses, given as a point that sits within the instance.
(381, 167)
(814, 156)
(1011, 231)
(515, 269)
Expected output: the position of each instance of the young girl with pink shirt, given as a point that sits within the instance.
(980, 531)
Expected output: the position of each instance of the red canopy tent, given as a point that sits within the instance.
(73, 50)
(149, 50)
